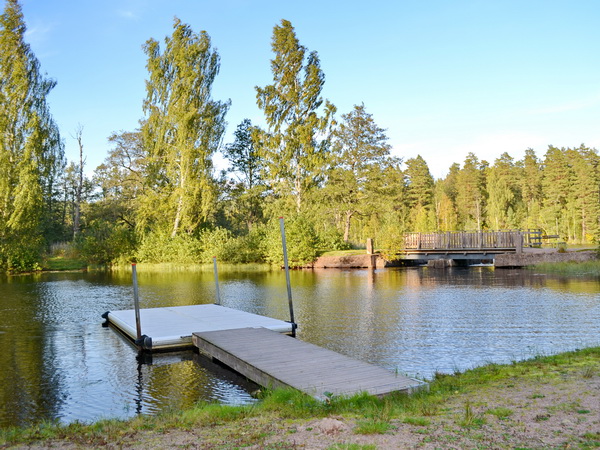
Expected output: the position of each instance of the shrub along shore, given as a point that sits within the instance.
(545, 401)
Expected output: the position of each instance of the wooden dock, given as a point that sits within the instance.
(274, 360)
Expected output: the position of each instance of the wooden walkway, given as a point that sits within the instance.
(505, 241)
(274, 360)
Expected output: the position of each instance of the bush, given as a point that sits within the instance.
(160, 247)
(301, 238)
(250, 248)
(218, 242)
(332, 239)
(21, 255)
(103, 242)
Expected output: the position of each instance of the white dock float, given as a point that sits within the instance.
(172, 327)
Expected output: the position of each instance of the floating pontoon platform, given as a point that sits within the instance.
(168, 328)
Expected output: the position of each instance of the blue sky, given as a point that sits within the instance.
(444, 78)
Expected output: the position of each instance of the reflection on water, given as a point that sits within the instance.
(58, 362)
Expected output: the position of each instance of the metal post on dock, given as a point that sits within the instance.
(287, 276)
(143, 342)
(136, 301)
(218, 302)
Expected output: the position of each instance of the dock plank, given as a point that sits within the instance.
(275, 360)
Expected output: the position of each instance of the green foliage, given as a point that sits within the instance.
(356, 182)
(103, 242)
(331, 239)
(295, 148)
(160, 246)
(301, 239)
(183, 129)
(31, 152)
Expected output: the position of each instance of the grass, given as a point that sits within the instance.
(254, 424)
(209, 267)
(587, 268)
(501, 413)
(63, 263)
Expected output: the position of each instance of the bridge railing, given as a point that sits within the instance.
(472, 240)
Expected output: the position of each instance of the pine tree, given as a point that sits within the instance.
(584, 201)
(531, 189)
(420, 194)
(31, 152)
(362, 155)
(557, 183)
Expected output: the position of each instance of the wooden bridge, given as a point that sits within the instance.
(468, 244)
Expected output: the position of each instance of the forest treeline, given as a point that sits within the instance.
(158, 198)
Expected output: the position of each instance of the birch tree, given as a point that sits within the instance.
(31, 151)
(183, 129)
(295, 146)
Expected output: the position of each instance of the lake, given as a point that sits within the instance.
(59, 362)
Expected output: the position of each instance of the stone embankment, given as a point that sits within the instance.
(538, 256)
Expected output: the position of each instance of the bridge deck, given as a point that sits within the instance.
(275, 360)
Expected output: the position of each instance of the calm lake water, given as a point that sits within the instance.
(59, 363)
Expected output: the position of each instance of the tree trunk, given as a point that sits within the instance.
(177, 217)
(79, 189)
(349, 215)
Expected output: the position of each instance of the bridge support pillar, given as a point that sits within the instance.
(440, 263)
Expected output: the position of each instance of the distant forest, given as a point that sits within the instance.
(158, 198)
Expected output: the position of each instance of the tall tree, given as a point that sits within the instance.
(585, 196)
(183, 129)
(470, 187)
(31, 151)
(531, 188)
(296, 145)
(362, 155)
(557, 183)
(79, 187)
(504, 193)
(420, 193)
(121, 177)
(247, 165)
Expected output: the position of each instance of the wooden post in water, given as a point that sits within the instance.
(218, 302)
(136, 302)
(287, 276)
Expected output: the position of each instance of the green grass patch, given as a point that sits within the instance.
(417, 421)
(587, 268)
(501, 413)
(178, 267)
(372, 426)
(64, 263)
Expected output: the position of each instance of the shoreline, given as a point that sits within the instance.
(544, 401)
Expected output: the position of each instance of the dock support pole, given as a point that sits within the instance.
(218, 302)
(287, 276)
(136, 301)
